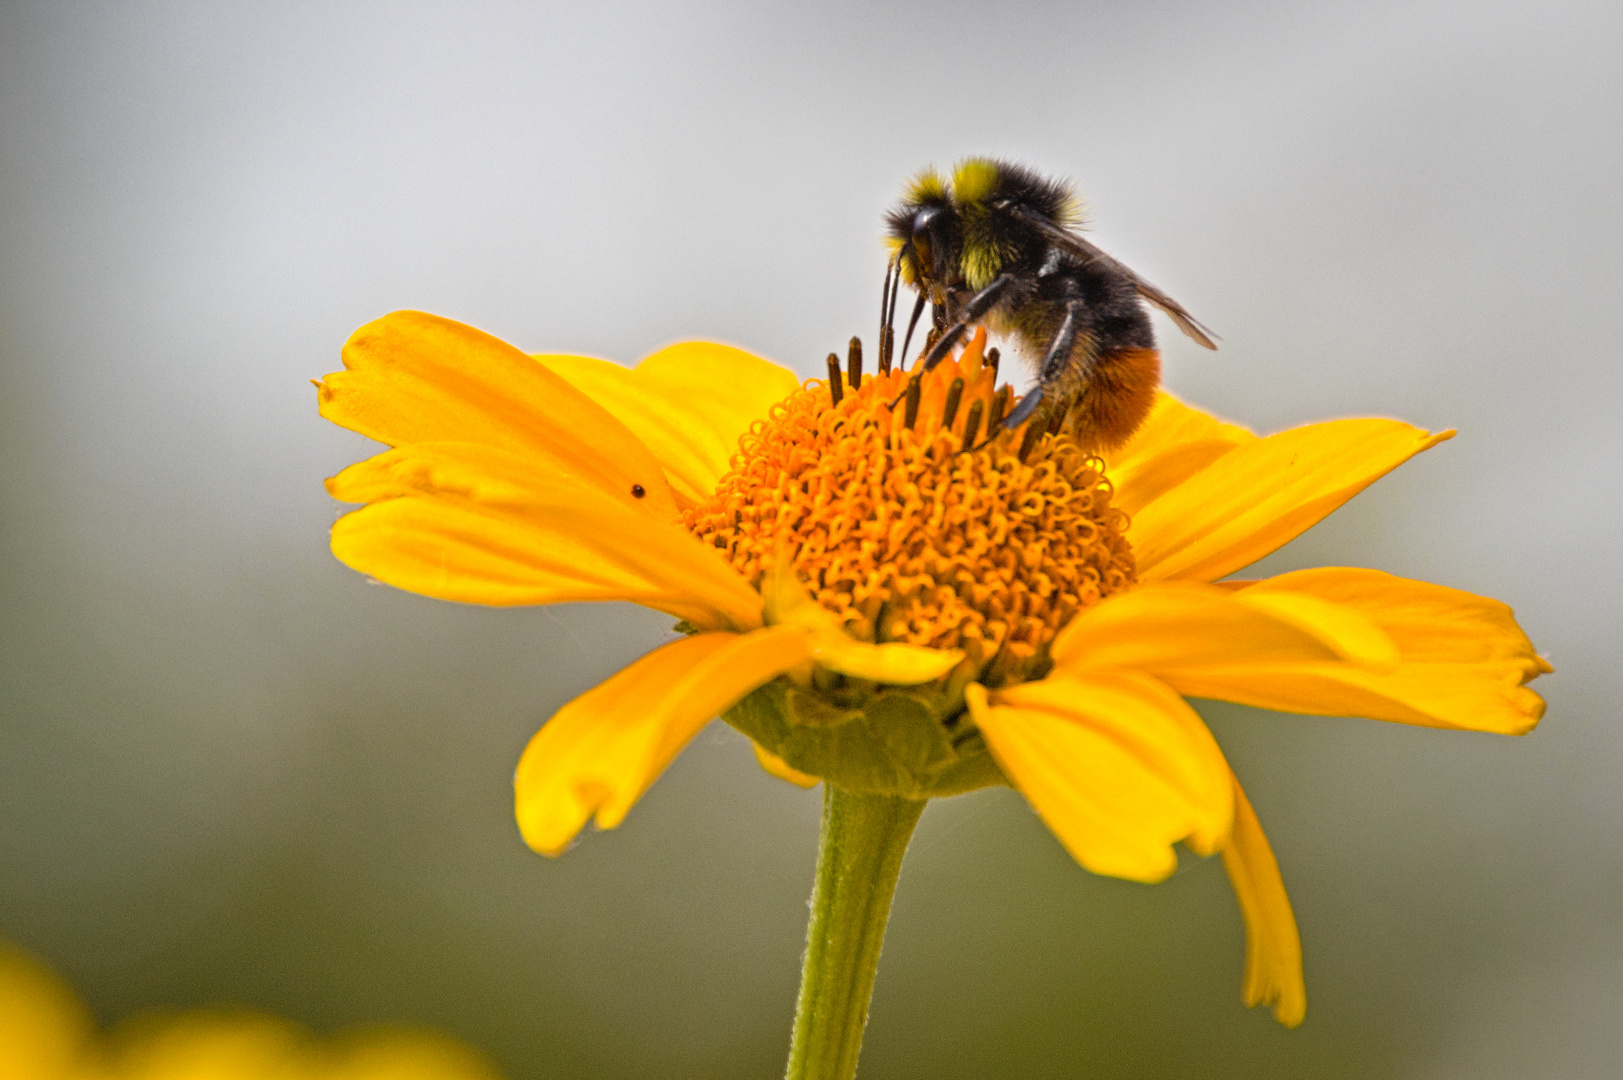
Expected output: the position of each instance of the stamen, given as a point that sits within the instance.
(912, 395)
(853, 364)
(1033, 433)
(972, 426)
(835, 390)
(1056, 422)
(1000, 402)
(992, 357)
(949, 411)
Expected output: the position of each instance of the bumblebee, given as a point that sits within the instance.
(997, 244)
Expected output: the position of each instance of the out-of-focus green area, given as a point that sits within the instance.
(232, 771)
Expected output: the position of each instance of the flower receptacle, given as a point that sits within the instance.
(913, 742)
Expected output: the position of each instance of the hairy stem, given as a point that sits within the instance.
(858, 858)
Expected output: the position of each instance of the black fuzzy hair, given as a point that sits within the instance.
(1022, 186)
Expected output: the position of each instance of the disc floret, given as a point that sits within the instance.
(908, 511)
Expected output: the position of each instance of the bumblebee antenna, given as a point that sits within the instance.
(918, 309)
(887, 307)
(896, 283)
(884, 297)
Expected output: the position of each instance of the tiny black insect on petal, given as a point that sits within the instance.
(638, 491)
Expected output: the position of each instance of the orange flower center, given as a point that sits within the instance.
(904, 517)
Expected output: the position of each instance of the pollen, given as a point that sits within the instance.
(915, 521)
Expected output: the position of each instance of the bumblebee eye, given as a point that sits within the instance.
(921, 222)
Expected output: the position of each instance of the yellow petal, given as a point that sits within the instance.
(1263, 494)
(1175, 442)
(599, 753)
(1273, 949)
(689, 403)
(893, 663)
(1165, 628)
(786, 602)
(217, 1047)
(393, 1054)
(471, 522)
(780, 768)
(412, 377)
(1117, 765)
(1462, 660)
(1173, 423)
(43, 1028)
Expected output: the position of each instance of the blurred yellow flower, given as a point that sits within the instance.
(46, 1034)
(882, 595)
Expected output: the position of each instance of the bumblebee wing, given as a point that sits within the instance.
(1186, 322)
(1082, 249)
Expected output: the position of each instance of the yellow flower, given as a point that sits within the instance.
(881, 595)
(46, 1034)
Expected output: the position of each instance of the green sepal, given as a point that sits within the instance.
(906, 741)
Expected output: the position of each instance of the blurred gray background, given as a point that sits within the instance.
(232, 770)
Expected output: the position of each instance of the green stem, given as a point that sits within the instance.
(858, 858)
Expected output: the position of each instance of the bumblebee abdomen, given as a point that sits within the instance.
(1114, 400)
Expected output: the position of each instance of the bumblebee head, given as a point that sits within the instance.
(922, 231)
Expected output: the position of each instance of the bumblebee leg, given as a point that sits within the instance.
(1059, 355)
(1059, 350)
(978, 305)
(1022, 412)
